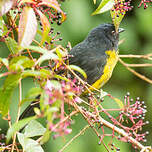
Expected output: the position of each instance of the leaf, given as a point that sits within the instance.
(45, 137)
(104, 6)
(61, 77)
(47, 56)
(6, 91)
(29, 145)
(37, 48)
(119, 102)
(46, 26)
(12, 45)
(4, 61)
(32, 94)
(17, 126)
(26, 1)
(78, 69)
(5, 6)
(94, 1)
(3, 27)
(27, 27)
(21, 63)
(103, 93)
(117, 18)
(54, 4)
(43, 73)
(60, 53)
(53, 84)
(34, 128)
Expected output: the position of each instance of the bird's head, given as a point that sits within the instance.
(107, 33)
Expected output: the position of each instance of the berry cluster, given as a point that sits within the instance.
(52, 39)
(58, 92)
(66, 91)
(121, 7)
(145, 3)
(52, 15)
(50, 8)
(130, 120)
(135, 113)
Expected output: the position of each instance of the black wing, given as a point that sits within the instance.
(90, 59)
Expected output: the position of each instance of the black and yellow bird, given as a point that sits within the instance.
(97, 55)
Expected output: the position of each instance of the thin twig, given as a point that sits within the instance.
(136, 73)
(62, 121)
(111, 126)
(6, 74)
(139, 65)
(121, 132)
(147, 56)
(76, 136)
(94, 129)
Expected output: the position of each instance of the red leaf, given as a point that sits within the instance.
(26, 1)
(54, 4)
(46, 26)
(27, 27)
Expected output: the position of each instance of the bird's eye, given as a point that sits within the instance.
(113, 32)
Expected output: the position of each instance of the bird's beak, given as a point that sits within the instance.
(121, 30)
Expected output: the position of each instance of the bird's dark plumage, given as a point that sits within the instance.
(90, 54)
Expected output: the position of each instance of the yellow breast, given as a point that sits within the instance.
(108, 69)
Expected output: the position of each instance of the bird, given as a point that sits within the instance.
(97, 55)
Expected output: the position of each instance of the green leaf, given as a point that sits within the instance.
(3, 27)
(54, 84)
(32, 94)
(21, 62)
(6, 91)
(104, 6)
(45, 137)
(4, 61)
(61, 77)
(34, 128)
(17, 126)
(28, 144)
(12, 45)
(47, 56)
(117, 18)
(43, 73)
(37, 49)
(78, 69)
(30, 73)
(60, 53)
(94, 1)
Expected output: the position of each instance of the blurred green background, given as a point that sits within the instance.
(137, 40)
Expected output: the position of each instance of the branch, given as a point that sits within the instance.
(112, 127)
(147, 56)
(76, 136)
(139, 65)
(136, 73)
